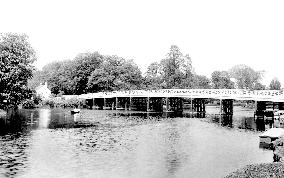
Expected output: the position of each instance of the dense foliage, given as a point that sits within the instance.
(93, 72)
(275, 84)
(16, 58)
(221, 79)
(175, 71)
(246, 77)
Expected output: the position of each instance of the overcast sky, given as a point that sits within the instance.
(216, 34)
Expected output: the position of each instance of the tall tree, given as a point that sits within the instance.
(221, 79)
(201, 82)
(153, 78)
(275, 84)
(115, 73)
(245, 76)
(16, 58)
(176, 68)
(85, 64)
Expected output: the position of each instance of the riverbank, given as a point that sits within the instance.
(259, 170)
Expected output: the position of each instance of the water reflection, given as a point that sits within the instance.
(173, 158)
(44, 118)
(55, 143)
(13, 155)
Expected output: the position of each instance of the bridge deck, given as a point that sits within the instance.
(237, 94)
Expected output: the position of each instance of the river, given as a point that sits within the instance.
(51, 143)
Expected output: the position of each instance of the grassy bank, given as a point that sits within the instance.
(259, 170)
(64, 103)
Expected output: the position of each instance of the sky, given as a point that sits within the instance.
(216, 34)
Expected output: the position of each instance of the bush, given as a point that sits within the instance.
(29, 104)
(68, 103)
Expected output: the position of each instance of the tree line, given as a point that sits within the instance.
(94, 72)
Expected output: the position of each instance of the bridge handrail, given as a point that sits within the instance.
(206, 93)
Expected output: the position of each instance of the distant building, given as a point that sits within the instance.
(43, 91)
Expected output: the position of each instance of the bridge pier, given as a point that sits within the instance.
(139, 103)
(89, 103)
(99, 103)
(260, 107)
(198, 106)
(226, 106)
(173, 104)
(226, 109)
(109, 103)
(122, 103)
(154, 104)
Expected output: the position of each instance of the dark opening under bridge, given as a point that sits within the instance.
(172, 100)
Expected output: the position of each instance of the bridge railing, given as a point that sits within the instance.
(241, 94)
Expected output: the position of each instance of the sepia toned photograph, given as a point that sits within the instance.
(141, 89)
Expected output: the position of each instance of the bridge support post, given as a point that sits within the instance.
(130, 103)
(155, 104)
(199, 107)
(226, 110)
(259, 109)
(89, 103)
(99, 103)
(105, 104)
(148, 104)
(139, 103)
(226, 106)
(109, 103)
(281, 106)
(93, 100)
(173, 104)
(122, 103)
(167, 104)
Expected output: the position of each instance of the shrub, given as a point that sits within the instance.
(28, 104)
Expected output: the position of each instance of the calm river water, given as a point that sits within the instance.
(49, 143)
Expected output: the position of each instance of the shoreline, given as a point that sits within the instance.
(259, 170)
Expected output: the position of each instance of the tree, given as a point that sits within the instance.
(259, 86)
(68, 76)
(153, 78)
(176, 68)
(50, 74)
(221, 79)
(275, 84)
(115, 73)
(245, 76)
(16, 58)
(85, 64)
(170, 67)
(201, 82)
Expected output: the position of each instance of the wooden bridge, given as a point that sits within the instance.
(172, 100)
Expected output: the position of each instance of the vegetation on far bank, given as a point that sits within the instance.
(94, 72)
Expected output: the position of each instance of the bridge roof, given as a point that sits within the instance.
(237, 94)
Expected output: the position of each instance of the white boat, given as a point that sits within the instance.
(74, 111)
(270, 135)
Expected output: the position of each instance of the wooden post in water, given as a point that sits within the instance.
(93, 107)
(116, 103)
(167, 104)
(148, 104)
(104, 107)
(130, 103)
(191, 106)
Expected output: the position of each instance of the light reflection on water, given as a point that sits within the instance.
(48, 143)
